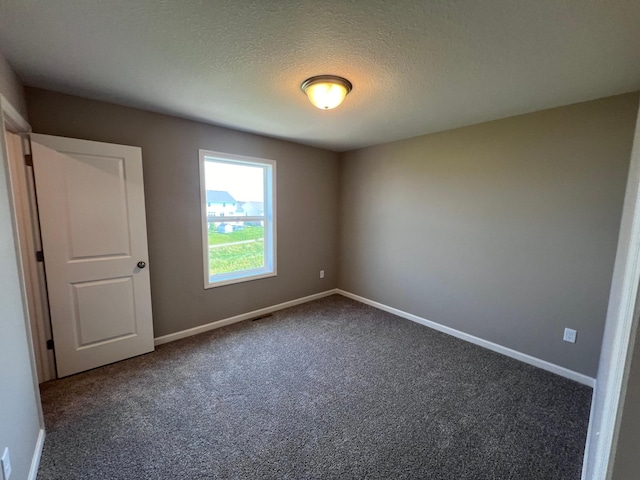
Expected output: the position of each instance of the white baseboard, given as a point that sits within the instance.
(239, 318)
(37, 453)
(523, 357)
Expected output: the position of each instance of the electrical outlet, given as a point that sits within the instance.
(6, 465)
(570, 335)
(321, 273)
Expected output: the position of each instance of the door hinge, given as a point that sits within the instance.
(50, 344)
(28, 160)
(40, 256)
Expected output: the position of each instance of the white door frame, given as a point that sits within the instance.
(23, 192)
(619, 335)
(12, 121)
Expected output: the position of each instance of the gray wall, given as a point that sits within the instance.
(19, 412)
(307, 190)
(11, 88)
(505, 230)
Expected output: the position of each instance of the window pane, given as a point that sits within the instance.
(234, 190)
(234, 184)
(238, 210)
(235, 246)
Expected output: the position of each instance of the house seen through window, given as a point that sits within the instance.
(238, 218)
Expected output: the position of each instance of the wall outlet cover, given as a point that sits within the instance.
(570, 335)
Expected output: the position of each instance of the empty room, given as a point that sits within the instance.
(319, 240)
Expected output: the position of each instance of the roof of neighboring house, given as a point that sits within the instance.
(219, 196)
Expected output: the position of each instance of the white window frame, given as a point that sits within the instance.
(268, 217)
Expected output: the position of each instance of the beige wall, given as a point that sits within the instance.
(307, 187)
(505, 230)
(19, 412)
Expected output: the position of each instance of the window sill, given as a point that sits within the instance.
(231, 281)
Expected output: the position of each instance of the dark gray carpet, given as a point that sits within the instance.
(326, 390)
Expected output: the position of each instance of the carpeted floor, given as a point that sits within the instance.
(326, 390)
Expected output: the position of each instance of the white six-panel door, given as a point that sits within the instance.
(92, 216)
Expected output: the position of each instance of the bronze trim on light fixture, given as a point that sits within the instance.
(326, 78)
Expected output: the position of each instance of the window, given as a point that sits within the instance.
(238, 218)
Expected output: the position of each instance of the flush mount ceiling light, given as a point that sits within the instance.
(326, 91)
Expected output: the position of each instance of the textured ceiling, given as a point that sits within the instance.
(416, 66)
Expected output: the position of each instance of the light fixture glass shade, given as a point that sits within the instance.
(326, 91)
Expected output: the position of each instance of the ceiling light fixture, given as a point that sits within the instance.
(326, 91)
